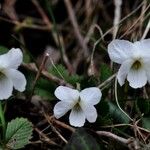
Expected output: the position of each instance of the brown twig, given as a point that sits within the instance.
(55, 130)
(142, 17)
(39, 73)
(135, 23)
(131, 143)
(47, 75)
(42, 13)
(45, 138)
(46, 20)
(59, 123)
(64, 56)
(76, 28)
(9, 9)
(25, 25)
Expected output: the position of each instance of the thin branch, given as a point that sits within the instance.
(25, 25)
(117, 16)
(116, 97)
(135, 23)
(146, 30)
(107, 81)
(76, 28)
(46, 74)
(142, 16)
(131, 143)
(55, 130)
(39, 73)
(42, 13)
(59, 123)
(45, 138)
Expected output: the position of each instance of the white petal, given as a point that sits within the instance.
(17, 78)
(144, 47)
(123, 71)
(61, 108)
(77, 118)
(137, 78)
(90, 95)
(120, 50)
(6, 87)
(90, 113)
(12, 59)
(147, 69)
(66, 94)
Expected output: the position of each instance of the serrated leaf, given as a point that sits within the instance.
(81, 140)
(117, 114)
(18, 133)
(146, 123)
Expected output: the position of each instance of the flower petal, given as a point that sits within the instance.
(90, 113)
(137, 78)
(12, 59)
(61, 108)
(123, 71)
(147, 68)
(120, 50)
(77, 118)
(144, 47)
(17, 78)
(90, 95)
(6, 87)
(66, 94)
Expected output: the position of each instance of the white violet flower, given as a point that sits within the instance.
(9, 75)
(134, 59)
(81, 104)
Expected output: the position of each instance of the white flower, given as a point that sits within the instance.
(81, 104)
(9, 75)
(134, 59)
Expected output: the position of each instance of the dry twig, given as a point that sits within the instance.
(46, 74)
(76, 28)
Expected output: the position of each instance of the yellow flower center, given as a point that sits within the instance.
(136, 65)
(77, 106)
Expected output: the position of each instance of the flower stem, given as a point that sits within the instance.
(116, 97)
(2, 120)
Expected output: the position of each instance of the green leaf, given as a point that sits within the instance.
(18, 133)
(43, 93)
(103, 108)
(146, 123)
(117, 114)
(105, 72)
(3, 50)
(61, 72)
(44, 88)
(26, 57)
(81, 140)
(30, 77)
(144, 106)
